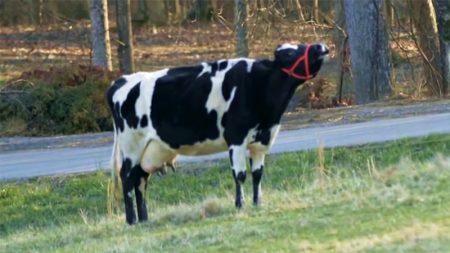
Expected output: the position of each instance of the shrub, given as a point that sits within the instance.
(63, 100)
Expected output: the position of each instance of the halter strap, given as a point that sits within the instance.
(303, 57)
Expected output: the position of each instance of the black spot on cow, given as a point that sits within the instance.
(223, 65)
(120, 82)
(144, 121)
(214, 67)
(231, 157)
(223, 122)
(240, 177)
(182, 74)
(263, 136)
(178, 111)
(128, 108)
(232, 78)
(118, 120)
(257, 176)
(115, 108)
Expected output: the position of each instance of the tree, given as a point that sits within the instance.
(200, 11)
(340, 41)
(442, 8)
(101, 47)
(125, 48)
(240, 16)
(369, 51)
(315, 11)
(423, 17)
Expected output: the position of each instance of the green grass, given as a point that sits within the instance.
(391, 197)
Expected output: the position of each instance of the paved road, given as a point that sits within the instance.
(30, 163)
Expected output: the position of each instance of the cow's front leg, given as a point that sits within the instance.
(237, 160)
(257, 164)
(140, 189)
(128, 183)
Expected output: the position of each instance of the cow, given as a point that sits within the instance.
(232, 105)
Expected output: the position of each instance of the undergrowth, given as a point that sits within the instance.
(62, 100)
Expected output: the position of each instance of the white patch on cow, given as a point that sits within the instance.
(323, 49)
(239, 158)
(249, 64)
(287, 46)
(206, 69)
(273, 134)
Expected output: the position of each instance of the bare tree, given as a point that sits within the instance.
(369, 51)
(340, 41)
(200, 11)
(125, 47)
(389, 10)
(442, 8)
(315, 11)
(240, 10)
(423, 17)
(101, 47)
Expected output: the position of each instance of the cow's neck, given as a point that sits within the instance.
(278, 90)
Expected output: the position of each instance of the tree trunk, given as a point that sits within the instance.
(298, 5)
(200, 11)
(240, 10)
(101, 48)
(157, 12)
(423, 17)
(390, 13)
(339, 37)
(369, 49)
(316, 16)
(125, 47)
(442, 8)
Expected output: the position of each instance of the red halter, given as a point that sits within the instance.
(304, 58)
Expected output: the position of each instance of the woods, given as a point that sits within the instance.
(380, 50)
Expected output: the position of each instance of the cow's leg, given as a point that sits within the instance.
(128, 184)
(257, 164)
(237, 160)
(140, 189)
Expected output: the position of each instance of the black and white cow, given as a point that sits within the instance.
(233, 105)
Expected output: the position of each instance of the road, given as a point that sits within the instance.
(30, 163)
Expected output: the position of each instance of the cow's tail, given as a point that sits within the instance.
(116, 163)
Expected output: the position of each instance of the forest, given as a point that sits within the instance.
(58, 57)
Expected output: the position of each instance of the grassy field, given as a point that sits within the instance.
(391, 197)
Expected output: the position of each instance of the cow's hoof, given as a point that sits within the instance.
(257, 203)
(131, 222)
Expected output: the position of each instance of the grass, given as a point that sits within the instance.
(390, 197)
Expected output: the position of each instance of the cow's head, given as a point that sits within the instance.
(301, 62)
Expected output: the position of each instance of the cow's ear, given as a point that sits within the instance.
(276, 53)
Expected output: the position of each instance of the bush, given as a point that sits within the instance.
(64, 100)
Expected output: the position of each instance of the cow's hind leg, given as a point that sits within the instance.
(257, 164)
(238, 165)
(128, 184)
(140, 189)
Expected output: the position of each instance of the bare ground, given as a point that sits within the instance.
(302, 118)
